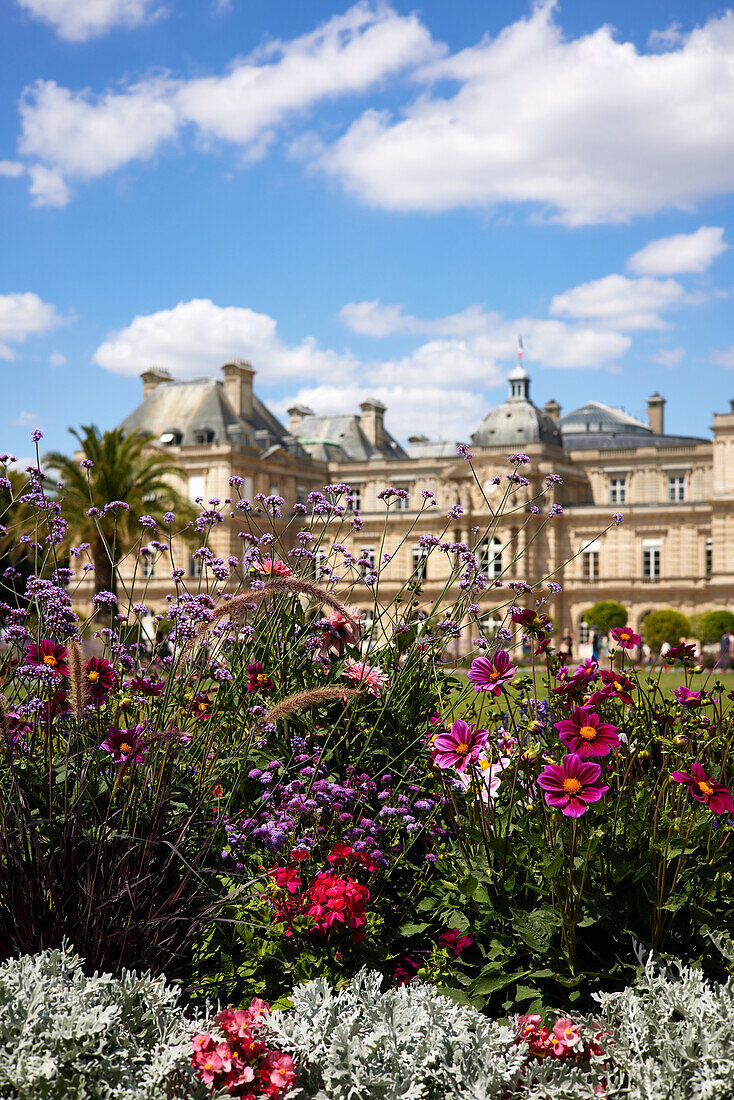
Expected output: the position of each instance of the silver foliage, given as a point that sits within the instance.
(64, 1035)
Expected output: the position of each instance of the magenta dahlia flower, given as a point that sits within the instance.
(49, 654)
(490, 673)
(625, 637)
(572, 785)
(459, 746)
(100, 678)
(688, 699)
(617, 685)
(258, 679)
(585, 734)
(124, 745)
(704, 788)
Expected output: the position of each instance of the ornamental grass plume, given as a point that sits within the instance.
(302, 700)
(238, 604)
(78, 694)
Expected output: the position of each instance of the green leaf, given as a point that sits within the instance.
(536, 928)
(486, 983)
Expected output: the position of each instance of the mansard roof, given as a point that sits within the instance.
(342, 439)
(595, 426)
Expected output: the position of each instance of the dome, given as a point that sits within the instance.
(517, 420)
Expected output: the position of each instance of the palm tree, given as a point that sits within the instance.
(125, 469)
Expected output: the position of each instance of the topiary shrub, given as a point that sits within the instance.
(605, 615)
(665, 625)
(712, 624)
(63, 1034)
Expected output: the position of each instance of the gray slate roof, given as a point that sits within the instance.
(341, 438)
(594, 426)
(514, 422)
(201, 405)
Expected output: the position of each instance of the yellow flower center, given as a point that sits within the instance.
(484, 764)
(124, 747)
(207, 1065)
(261, 679)
(706, 788)
(494, 674)
(571, 786)
(569, 1031)
(587, 732)
(49, 659)
(93, 677)
(203, 706)
(462, 748)
(617, 685)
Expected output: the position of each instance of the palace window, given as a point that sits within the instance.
(402, 504)
(617, 490)
(204, 435)
(490, 557)
(196, 566)
(590, 565)
(356, 495)
(676, 488)
(419, 562)
(709, 557)
(147, 565)
(489, 624)
(584, 632)
(196, 486)
(651, 559)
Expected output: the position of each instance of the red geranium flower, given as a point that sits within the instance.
(585, 734)
(704, 788)
(49, 654)
(100, 678)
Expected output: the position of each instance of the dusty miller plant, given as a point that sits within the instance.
(63, 1034)
(410, 1043)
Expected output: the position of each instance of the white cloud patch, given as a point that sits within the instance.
(57, 359)
(669, 357)
(23, 315)
(197, 337)
(590, 128)
(723, 357)
(683, 254)
(81, 135)
(26, 420)
(11, 169)
(79, 20)
(619, 303)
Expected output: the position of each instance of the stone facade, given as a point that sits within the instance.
(676, 492)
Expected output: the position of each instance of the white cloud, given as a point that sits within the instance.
(26, 420)
(669, 357)
(619, 303)
(12, 169)
(23, 315)
(490, 336)
(723, 357)
(196, 337)
(79, 20)
(57, 359)
(683, 254)
(82, 135)
(47, 186)
(589, 127)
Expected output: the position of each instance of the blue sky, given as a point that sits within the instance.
(365, 199)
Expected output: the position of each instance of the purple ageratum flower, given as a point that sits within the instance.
(704, 788)
(585, 734)
(572, 785)
(690, 700)
(123, 745)
(459, 746)
(490, 673)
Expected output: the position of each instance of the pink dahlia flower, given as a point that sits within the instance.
(572, 785)
(688, 699)
(124, 745)
(368, 676)
(585, 734)
(100, 678)
(625, 637)
(459, 746)
(704, 788)
(49, 654)
(341, 631)
(490, 673)
(617, 685)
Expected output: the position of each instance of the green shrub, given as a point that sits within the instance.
(712, 624)
(63, 1034)
(605, 615)
(665, 625)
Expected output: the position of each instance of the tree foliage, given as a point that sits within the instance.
(127, 469)
(712, 624)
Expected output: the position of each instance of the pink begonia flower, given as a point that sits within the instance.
(273, 566)
(459, 746)
(490, 673)
(278, 1068)
(483, 777)
(585, 734)
(565, 1035)
(572, 785)
(704, 788)
(363, 675)
(625, 637)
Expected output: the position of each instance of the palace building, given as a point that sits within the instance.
(676, 492)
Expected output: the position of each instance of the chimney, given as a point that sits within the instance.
(152, 378)
(295, 415)
(552, 409)
(238, 376)
(655, 413)
(372, 421)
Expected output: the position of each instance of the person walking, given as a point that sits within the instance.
(724, 651)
